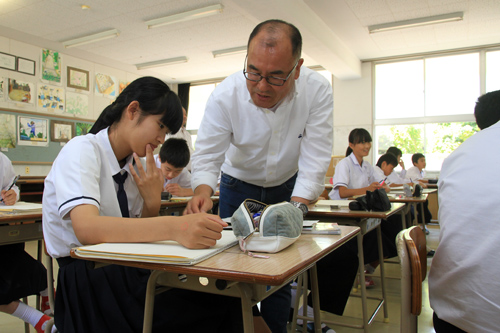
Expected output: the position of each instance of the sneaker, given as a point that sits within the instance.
(369, 283)
(40, 326)
(324, 328)
(431, 253)
(45, 306)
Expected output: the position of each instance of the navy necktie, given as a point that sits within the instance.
(122, 196)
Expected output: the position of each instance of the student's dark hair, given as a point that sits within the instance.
(274, 25)
(388, 158)
(487, 110)
(416, 157)
(394, 151)
(358, 135)
(154, 97)
(175, 152)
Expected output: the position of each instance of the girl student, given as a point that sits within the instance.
(354, 176)
(84, 204)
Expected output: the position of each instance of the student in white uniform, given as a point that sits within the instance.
(416, 173)
(184, 134)
(96, 183)
(21, 275)
(463, 288)
(354, 176)
(172, 160)
(397, 179)
(384, 168)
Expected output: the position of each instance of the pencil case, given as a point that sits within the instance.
(267, 228)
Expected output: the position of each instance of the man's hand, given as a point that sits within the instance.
(201, 201)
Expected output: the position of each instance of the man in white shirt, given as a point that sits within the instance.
(184, 134)
(463, 288)
(269, 129)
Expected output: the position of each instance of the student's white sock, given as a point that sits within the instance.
(27, 314)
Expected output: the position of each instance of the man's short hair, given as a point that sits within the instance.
(487, 109)
(276, 25)
(387, 158)
(416, 157)
(175, 152)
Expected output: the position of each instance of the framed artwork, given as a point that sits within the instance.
(21, 91)
(33, 131)
(51, 66)
(78, 78)
(25, 66)
(61, 131)
(83, 128)
(7, 61)
(50, 98)
(105, 85)
(77, 104)
(7, 130)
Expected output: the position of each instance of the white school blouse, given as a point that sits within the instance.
(183, 179)
(82, 174)
(7, 175)
(350, 174)
(414, 174)
(263, 147)
(463, 279)
(395, 178)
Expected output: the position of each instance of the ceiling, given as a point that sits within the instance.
(335, 32)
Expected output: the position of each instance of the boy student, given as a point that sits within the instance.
(21, 275)
(385, 166)
(172, 160)
(416, 173)
(184, 134)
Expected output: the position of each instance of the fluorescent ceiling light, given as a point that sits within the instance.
(230, 51)
(91, 38)
(185, 16)
(458, 16)
(164, 62)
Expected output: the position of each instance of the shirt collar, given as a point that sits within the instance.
(103, 138)
(354, 159)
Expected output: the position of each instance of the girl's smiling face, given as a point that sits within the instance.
(361, 149)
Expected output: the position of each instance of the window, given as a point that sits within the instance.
(426, 105)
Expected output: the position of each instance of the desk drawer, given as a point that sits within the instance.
(10, 234)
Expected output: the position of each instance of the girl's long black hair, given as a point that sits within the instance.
(358, 135)
(154, 97)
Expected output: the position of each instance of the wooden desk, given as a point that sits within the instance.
(367, 221)
(409, 201)
(233, 273)
(20, 227)
(172, 207)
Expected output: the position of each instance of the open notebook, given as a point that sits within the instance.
(164, 252)
(22, 207)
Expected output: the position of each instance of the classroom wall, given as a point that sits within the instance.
(352, 108)
(97, 102)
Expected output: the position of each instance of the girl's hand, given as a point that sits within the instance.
(199, 231)
(149, 182)
(9, 197)
(373, 186)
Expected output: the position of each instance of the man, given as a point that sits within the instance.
(183, 134)
(463, 289)
(270, 128)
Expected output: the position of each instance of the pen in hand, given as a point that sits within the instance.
(11, 185)
(383, 182)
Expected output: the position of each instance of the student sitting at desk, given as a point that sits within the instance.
(394, 178)
(416, 173)
(21, 275)
(95, 184)
(172, 161)
(385, 166)
(354, 176)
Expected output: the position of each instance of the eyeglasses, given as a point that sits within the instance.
(274, 81)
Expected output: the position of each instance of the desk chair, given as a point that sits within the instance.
(412, 254)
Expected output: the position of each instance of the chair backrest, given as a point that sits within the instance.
(411, 245)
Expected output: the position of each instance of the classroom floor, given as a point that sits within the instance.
(9, 324)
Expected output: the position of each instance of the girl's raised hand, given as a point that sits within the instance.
(149, 181)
